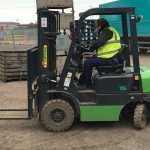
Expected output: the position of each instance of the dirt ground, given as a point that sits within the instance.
(29, 135)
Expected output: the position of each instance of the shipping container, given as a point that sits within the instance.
(143, 27)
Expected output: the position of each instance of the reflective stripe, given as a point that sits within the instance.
(117, 41)
(110, 52)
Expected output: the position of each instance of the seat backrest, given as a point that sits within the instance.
(121, 55)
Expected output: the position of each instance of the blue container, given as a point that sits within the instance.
(142, 9)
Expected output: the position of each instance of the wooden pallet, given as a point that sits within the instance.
(13, 65)
(54, 3)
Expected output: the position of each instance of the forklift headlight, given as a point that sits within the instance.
(137, 77)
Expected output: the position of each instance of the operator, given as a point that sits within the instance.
(107, 47)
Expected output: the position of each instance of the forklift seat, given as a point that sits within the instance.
(115, 68)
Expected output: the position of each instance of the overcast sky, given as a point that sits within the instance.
(24, 11)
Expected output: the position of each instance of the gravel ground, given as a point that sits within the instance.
(29, 135)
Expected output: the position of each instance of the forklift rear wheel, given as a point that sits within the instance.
(57, 115)
(140, 116)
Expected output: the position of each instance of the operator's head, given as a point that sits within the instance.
(101, 24)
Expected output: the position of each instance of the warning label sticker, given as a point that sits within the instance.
(44, 22)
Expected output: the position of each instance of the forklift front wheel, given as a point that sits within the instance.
(140, 118)
(57, 115)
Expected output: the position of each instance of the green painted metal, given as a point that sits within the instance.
(100, 113)
(145, 75)
(142, 8)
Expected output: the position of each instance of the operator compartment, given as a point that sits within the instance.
(111, 84)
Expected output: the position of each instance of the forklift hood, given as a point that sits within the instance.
(145, 75)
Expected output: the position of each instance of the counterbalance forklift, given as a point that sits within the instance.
(58, 100)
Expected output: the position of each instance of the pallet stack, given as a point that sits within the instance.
(13, 65)
(54, 4)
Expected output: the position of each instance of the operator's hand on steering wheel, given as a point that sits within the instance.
(92, 48)
(83, 49)
(88, 54)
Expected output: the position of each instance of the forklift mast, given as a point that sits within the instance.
(48, 28)
(50, 17)
(42, 72)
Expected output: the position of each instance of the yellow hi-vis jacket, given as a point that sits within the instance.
(111, 47)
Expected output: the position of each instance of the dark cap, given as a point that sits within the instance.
(102, 22)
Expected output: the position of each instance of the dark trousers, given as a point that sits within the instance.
(93, 62)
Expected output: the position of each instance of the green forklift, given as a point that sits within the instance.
(58, 100)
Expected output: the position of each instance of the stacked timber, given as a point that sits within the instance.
(13, 65)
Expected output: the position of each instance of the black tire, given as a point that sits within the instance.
(140, 118)
(57, 115)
